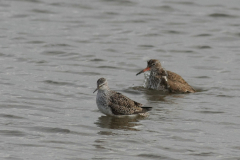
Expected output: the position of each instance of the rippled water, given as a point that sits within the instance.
(53, 52)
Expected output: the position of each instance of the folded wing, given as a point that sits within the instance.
(122, 105)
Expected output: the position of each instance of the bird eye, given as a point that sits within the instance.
(153, 64)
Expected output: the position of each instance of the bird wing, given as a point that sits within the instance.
(177, 83)
(122, 105)
(175, 77)
(173, 82)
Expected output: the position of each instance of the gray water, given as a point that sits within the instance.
(53, 51)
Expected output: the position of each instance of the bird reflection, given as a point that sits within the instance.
(124, 123)
(152, 95)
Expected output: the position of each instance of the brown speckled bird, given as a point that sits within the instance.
(115, 104)
(161, 79)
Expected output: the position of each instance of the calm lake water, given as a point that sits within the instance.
(53, 51)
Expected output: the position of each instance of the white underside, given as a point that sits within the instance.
(105, 110)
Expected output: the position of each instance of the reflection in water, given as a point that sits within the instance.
(125, 123)
(108, 122)
(152, 95)
(157, 96)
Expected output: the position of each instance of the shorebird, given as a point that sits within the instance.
(115, 104)
(161, 79)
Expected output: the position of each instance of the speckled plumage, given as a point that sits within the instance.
(115, 104)
(161, 79)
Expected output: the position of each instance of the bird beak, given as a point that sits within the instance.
(146, 69)
(96, 89)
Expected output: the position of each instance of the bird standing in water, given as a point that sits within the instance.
(115, 104)
(161, 79)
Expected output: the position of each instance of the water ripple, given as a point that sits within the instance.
(11, 116)
(12, 133)
(221, 15)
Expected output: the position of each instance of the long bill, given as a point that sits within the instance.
(146, 69)
(96, 89)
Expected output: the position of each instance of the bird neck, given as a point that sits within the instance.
(105, 90)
